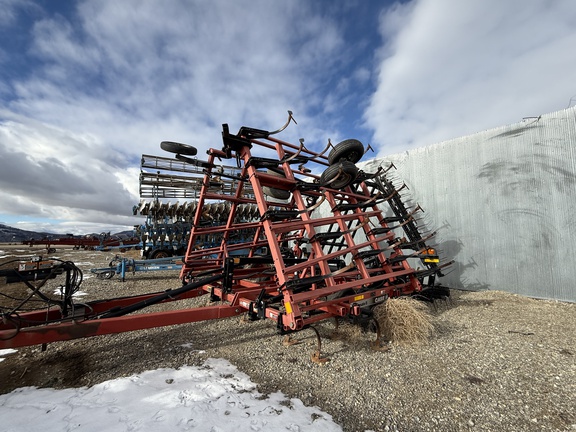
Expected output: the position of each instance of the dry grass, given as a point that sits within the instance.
(347, 332)
(404, 321)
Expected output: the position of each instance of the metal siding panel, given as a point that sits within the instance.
(503, 203)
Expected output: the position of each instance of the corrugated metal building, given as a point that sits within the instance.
(503, 202)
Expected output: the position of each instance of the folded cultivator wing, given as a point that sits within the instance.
(281, 233)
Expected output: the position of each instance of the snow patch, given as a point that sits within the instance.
(215, 396)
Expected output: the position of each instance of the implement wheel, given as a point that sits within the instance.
(273, 192)
(339, 175)
(174, 147)
(160, 253)
(106, 274)
(351, 150)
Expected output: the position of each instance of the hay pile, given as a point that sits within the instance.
(404, 321)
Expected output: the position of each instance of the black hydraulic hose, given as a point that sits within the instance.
(116, 312)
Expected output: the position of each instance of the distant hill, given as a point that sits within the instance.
(9, 234)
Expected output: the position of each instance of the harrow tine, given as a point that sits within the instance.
(359, 226)
(372, 199)
(317, 204)
(377, 345)
(390, 167)
(295, 155)
(316, 356)
(404, 186)
(328, 147)
(290, 118)
(392, 195)
(288, 341)
(303, 169)
(344, 269)
(370, 176)
(415, 242)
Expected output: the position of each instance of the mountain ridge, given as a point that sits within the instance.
(10, 234)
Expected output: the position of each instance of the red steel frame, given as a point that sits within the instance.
(288, 286)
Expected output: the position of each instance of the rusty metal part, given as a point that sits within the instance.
(317, 356)
(378, 344)
(290, 118)
(289, 341)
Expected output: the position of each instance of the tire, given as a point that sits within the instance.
(174, 147)
(160, 253)
(106, 275)
(273, 192)
(344, 172)
(351, 150)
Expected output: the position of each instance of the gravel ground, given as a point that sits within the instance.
(496, 361)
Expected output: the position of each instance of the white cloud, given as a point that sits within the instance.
(51, 173)
(114, 79)
(456, 68)
(9, 10)
(106, 81)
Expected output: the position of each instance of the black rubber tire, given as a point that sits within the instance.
(106, 275)
(351, 150)
(273, 192)
(160, 253)
(349, 174)
(174, 147)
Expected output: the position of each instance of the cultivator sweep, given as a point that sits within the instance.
(297, 237)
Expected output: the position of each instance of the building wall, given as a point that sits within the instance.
(503, 203)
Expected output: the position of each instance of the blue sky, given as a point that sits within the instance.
(86, 87)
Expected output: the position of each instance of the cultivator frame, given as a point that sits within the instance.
(321, 247)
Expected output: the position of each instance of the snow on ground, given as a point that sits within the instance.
(5, 254)
(215, 397)
(4, 352)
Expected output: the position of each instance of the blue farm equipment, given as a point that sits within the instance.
(121, 266)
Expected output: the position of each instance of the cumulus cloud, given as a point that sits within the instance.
(109, 80)
(88, 86)
(454, 68)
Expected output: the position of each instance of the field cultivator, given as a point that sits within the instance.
(297, 237)
(121, 266)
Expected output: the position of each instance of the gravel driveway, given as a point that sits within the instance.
(495, 362)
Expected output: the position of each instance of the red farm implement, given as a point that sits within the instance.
(302, 237)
